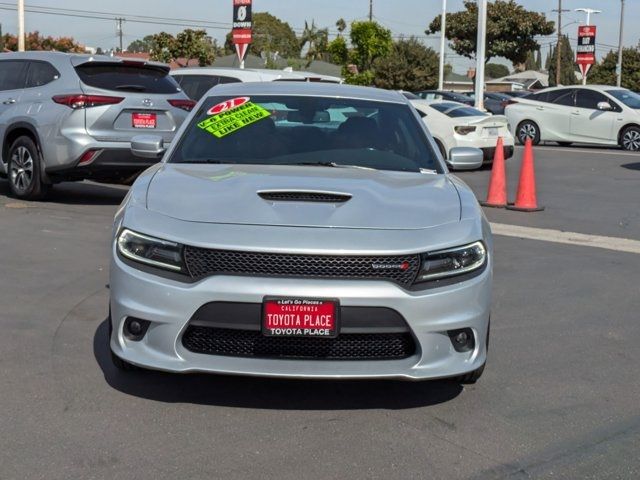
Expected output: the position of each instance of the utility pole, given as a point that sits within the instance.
(558, 49)
(619, 65)
(371, 10)
(119, 31)
(443, 29)
(21, 25)
(481, 47)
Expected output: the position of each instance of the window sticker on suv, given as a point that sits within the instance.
(231, 118)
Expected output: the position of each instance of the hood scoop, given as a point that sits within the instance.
(304, 196)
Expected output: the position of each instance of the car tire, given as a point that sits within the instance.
(528, 129)
(24, 170)
(119, 363)
(565, 144)
(630, 139)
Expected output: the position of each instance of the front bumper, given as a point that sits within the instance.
(169, 305)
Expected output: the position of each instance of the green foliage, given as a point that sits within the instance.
(511, 30)
(604, 73)
(341, 25)
(35, 41)
(363, 78)
(141, 45)
(495, 70)
(187, 45)
(338, 51)
(530, 62)
(539, 61)
(270, 35)
(567, 64)
(317, 41)
(370, 41)
(410, 66)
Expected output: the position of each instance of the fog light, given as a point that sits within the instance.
(135, 328)
(462, 340)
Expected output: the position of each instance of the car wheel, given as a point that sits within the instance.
(24, 170)
(528, 129)
(119, 363)
(630, 139)
(564, 144)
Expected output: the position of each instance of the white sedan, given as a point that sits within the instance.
(594, 114)
(454, 124)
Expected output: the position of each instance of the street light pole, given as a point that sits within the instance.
(481, 43)
(21, 25)
(619, 66)
(443, 25)
(588, 11)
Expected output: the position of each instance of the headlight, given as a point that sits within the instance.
(150, 250)
(464, 130)
(454, 261)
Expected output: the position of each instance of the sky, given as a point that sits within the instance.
(406, 17)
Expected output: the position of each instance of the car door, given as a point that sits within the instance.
(12, 81)
(554, 113)
(588, 123)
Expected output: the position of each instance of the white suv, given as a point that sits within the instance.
(594, 114)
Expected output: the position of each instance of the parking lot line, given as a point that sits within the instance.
(585, 150)
(570, 238)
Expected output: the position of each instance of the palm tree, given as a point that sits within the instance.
(317, 40)
(341, 25)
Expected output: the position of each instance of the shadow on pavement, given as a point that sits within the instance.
(80, 193)
(631, 166)
(264, 393)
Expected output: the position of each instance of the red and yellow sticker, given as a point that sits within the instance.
(231, 115)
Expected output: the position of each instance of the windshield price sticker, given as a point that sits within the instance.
(228, 105)
(230, 121)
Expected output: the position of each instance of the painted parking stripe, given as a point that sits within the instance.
(570, 238)
(621, 153)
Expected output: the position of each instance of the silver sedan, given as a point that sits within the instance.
(302, 230)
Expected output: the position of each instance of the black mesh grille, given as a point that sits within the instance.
(249, 343)
(305, 197)
(204, 262)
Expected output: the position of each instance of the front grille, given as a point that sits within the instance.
(249, 343)
(293, 196)
(203, 262)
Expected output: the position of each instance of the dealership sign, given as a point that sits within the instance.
(586, 52)
(241, 30)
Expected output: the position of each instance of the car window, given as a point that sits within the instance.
(41, 73)
(629, 98)
(293, 130)
(12, 74)
(563, 96)
(127, 78)
(455, 110)
(195, 86)
(589, 99)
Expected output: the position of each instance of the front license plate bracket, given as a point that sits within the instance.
(300, 317)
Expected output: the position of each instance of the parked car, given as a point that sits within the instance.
(604, 115)
(197, 81)
(444, 95)
(456, 125)
(328, 243)
(494, 102)
(517, 93)
(71, 117)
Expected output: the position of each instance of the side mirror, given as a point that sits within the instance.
(465, 158)
(604, 106)
(147, 146)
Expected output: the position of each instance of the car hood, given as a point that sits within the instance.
(229, 194)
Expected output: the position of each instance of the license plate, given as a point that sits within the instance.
(144, 120)
(492, 132)
(300, 317)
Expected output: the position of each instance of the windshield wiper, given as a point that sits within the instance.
(330, 164)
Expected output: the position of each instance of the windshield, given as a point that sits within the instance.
(629, 98)
(455, 110)
(310, 131)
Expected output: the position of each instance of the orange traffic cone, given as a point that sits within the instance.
(497, 196)
(526, 200)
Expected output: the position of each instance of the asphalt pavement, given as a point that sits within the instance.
(559, 397)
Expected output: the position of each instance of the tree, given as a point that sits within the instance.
(511, 30)
(317, 40)
(410, 66)
(567, 65)
(604, 73)
(141, 45)
(35, 41)
(338, 51)
(530, 62)
(370, 41)
(495, 70)
(187, 45)
(539, 61)
(270, 35)
(341, 25)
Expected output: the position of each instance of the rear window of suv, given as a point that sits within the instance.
(127, 78)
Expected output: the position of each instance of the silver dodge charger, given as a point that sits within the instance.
(302, 230)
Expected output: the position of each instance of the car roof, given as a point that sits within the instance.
(312, 89)
(255, 73)
(75, 58)
(599, 88)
